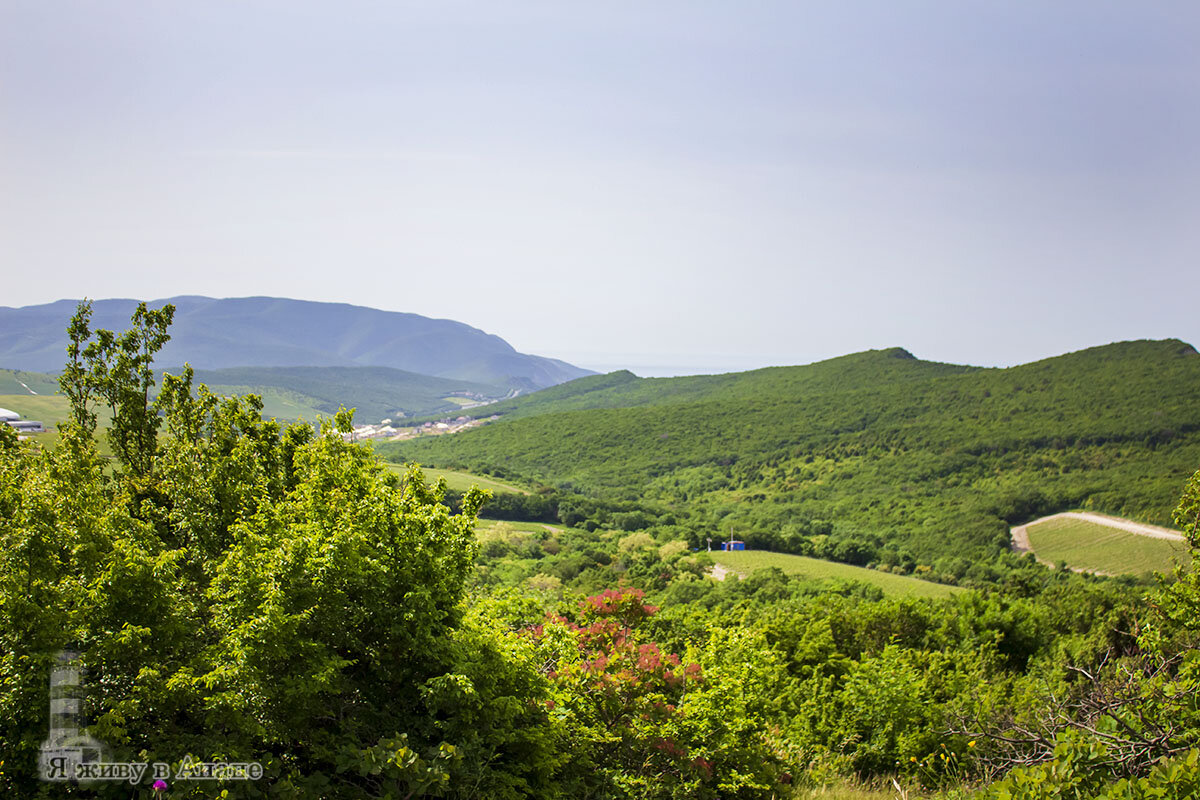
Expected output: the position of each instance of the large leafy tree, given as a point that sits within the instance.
(247, 591)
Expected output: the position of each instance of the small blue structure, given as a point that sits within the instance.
(733, 545)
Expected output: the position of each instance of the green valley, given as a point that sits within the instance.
(292, 393)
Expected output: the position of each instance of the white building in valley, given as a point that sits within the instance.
(13, 420)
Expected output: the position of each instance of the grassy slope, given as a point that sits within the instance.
(52, 409)
(41, 383)
(938, 457)
(280, 404)
(1086, 545)
(746, 561)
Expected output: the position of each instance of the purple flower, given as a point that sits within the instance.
(160, 786)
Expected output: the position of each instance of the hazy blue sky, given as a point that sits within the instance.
(691, 186)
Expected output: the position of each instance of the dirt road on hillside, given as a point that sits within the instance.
(1020, 534)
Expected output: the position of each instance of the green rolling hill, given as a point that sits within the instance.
(623, 389)
(933, 461)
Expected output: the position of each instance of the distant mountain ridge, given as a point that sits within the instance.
(212, 333)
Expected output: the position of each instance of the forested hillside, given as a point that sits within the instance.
(623, 389)
(936, 459)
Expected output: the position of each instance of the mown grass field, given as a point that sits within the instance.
(1099, 548)
(460, 481)
(746, 561)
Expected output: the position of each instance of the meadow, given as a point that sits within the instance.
(1099, 548)
(745, 562)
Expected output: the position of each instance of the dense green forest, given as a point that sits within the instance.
(240, 591)
(909, 461)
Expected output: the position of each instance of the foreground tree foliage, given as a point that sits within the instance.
(244, 591)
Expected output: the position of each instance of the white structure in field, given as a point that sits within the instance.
(13, 420)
